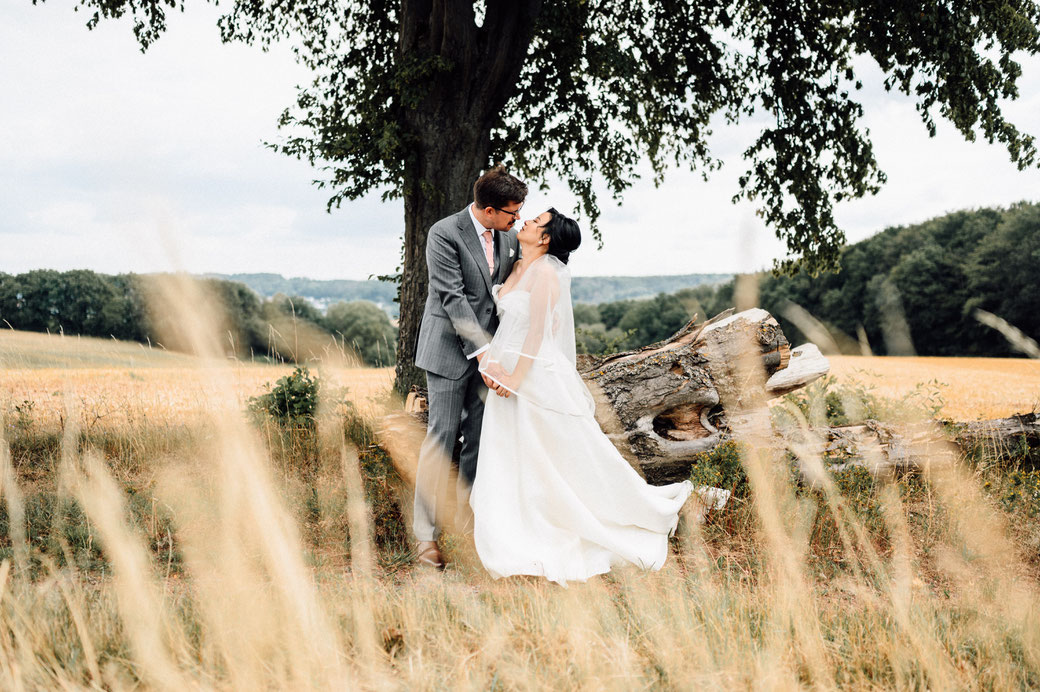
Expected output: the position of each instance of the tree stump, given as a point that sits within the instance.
(663, 404)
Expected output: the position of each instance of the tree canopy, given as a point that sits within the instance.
(923, 282)
(415, 98)
(605, 84)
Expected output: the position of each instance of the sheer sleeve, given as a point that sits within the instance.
(545, 293)
(532, 353)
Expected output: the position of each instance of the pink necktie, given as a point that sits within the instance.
(489, 251)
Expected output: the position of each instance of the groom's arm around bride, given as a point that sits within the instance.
(466, 254)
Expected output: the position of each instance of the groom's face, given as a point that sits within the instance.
(504, 217)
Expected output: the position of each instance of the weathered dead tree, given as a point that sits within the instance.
(882, 447)
(663, 404)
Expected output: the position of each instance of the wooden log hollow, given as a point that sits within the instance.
(662, 404)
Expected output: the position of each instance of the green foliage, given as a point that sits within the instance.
(73, 302)
(365, 329)
(292, 401)
(90, 304)
(295, 307)
(629, 324)
(722, 467)
(596, 340)
(654, 319)
(324, 291)
(584, 313)
(934, 275)
(604, 86)
(1018, 491)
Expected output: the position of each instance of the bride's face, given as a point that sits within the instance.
(531, 231)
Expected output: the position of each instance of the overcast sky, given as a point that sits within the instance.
(116, 161)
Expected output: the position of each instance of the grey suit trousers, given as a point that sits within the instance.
(456, 406)
(458, 319)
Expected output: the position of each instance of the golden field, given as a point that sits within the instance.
(231, 560)
(971, 388)
(112, 382)
(116, 383)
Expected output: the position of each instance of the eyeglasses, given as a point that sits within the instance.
(515, 214)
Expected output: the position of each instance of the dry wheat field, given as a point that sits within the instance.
(140, 556)
(971, 388)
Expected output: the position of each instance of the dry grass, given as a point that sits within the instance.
(115, 384)
(972, 388)
(218, 583)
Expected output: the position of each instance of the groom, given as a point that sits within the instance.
(466, 254)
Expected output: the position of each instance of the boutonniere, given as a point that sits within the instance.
(512, 252)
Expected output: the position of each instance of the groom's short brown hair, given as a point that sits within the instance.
(497, 188)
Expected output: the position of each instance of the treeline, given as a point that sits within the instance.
(907, 289)
(326, 292)
(584, 289)
(281, 328)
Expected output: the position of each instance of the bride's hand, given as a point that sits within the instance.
(500, 377)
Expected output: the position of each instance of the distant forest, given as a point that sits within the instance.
(585, 289)
(907, 289)
(91, 304)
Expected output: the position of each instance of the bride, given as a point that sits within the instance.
(552, 496)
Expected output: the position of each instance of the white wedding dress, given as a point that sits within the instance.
(552, 496)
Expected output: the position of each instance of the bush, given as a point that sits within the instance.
(721, 467)
(363, 327)
(292, 401)
(1019, 492)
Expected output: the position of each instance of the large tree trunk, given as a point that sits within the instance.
(471, 73)
(455, 169)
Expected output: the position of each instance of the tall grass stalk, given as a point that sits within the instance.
(256, 588)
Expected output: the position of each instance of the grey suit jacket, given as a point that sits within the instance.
(460, 314)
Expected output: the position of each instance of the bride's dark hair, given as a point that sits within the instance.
(564, 235)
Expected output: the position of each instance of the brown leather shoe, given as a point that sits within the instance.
(429, 555)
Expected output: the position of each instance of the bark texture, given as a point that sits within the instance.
(884, 448)
(665, 403)
(470, 74)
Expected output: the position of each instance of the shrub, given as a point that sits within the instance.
(292, 401)
(1020, 492)
(721, 467)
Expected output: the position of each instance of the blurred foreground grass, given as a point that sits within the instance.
(183, 545)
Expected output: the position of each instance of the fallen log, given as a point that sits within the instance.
(883, 448)
(663, 404)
